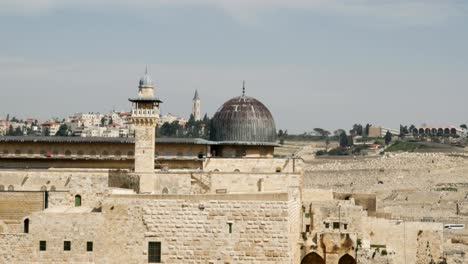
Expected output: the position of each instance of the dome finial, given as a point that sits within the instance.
(243, 88)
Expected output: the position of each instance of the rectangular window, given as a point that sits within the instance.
(42, 245)
(89, 246)
(307, 228)
(336, 225)
(230, 228)
(327, 225)
(345, 226)
(154, 252)
(66, 245)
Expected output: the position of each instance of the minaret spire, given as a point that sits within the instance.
(146, 69)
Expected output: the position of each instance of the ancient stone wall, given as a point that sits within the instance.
(91, 185)
(17, 205)
(247, 165)
(410, 242)
(124, 179)
(15, 248)
(192, 229)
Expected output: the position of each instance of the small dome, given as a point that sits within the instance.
(146, 80)
(243, 119)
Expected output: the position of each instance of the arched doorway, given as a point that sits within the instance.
(313, 258)
(347, 259)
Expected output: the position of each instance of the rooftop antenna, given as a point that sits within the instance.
(243, 88)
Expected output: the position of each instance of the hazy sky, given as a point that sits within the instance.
(314, 63)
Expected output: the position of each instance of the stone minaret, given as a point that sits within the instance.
(145, 115)
(196, 107)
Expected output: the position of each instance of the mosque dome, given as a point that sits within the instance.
(243, 119)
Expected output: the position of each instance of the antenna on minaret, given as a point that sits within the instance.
(243, 88)
(146, 69)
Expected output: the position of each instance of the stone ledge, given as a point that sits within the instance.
(207, 197)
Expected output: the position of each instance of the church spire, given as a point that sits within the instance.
(243, 88)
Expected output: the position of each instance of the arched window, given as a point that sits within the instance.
(105, 153)
(130, 153)
(165, 191)
(43, 188)
(55, 152)
(11, 188)
(52, 188)
(313, 258)
(92, 153)
(67, 153)
(347, 259)
(43, 152)
(80, 153)
(236, 170)
(2, 188)
(180, 154)
(117, 153)
(18, 152)
(77, 200)
(26, 225)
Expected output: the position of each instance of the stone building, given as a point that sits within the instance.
(154, 200)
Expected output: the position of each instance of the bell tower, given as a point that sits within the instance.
(145, 117)
(196, 109)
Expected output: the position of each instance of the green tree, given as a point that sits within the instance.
(464, 126)
(322, 132)
(357, 129)
(388, 137)
(18, 131)
(173, 129)
(14, 120)
(206, 119)
(11, 131)
(368, 126)
(63, 131)
(343, 140)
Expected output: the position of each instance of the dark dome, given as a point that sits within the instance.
(243, 119)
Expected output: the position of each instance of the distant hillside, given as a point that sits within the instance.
(423, 147)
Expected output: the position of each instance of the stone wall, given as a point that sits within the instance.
(192, 229)
(247, 165)
(124, 179)
(91, 185)
(15, 248)
(253, 182)
(410, 242)
(17, 205)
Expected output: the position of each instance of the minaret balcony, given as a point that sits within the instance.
(145, 113)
